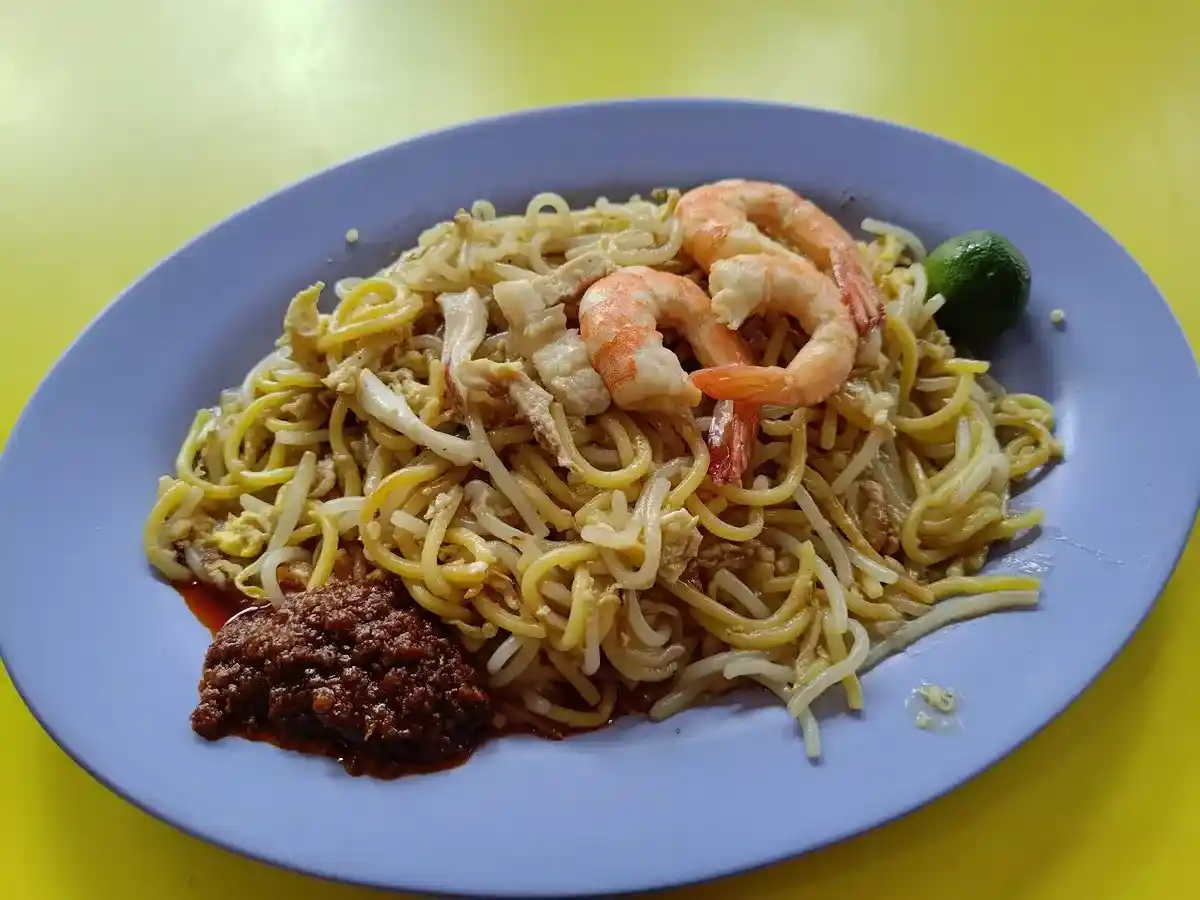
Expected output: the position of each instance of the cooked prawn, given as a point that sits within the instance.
(618, 320)
(761, 283)
(723, 219)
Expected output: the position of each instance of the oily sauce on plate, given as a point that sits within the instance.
(213, 607)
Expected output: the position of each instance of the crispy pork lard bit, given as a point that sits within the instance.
(537, 325)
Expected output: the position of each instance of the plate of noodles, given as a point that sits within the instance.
(578, 464)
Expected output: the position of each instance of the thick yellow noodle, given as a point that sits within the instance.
(861, 524)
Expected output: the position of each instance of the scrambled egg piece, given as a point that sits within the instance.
(344, 378)
(243, 535)
(940, 698)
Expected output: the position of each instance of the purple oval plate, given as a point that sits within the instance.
(111, 672)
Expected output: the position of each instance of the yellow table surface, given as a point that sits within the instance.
(125, 129)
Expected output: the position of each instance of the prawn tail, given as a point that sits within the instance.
(757, 384)
(858, 290)
(730, 441)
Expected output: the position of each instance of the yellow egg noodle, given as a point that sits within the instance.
(583, 555)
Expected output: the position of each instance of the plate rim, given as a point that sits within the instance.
(458, 130)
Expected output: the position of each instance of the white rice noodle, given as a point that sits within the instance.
(703, 669)
(870, 349)
(998, 484)
(945, 613)
(430, 342)
(602, 534)
(502, 654)
(344, 287)
(811, 732)
(677, 466)
(478, 493)
(601, 457)
(739, 591)
(977, 477)
(839, 671)
(507, 555)
(591, 644)
(677, 700)
(640, 627)
(268, 572)
(272, 359)
(518, 663)
(906, 237)
(191, 499)
(937, 383)
(495, 526)
(343, 510)
(464, 317)
(771, 411)
(895, 484)
(301, 438)
(991, 386)
(872, 588)
(339, 506)
(758, 668)
(410, 523)
(643, 577)
(909, 607)
(503, 479)
(959, 461)
(253, 504)
(820, 525)
(191, 556)
(962, 438)
(393, 410)
(556, 591)
(619, 505)
(929, 309)
(859, 461)
(289, 504)
(920, 286)
(509, 272)
(624, 527)
(809, 729)
(880, 573)
(536, 703)
(835, 594)
(583, 242)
